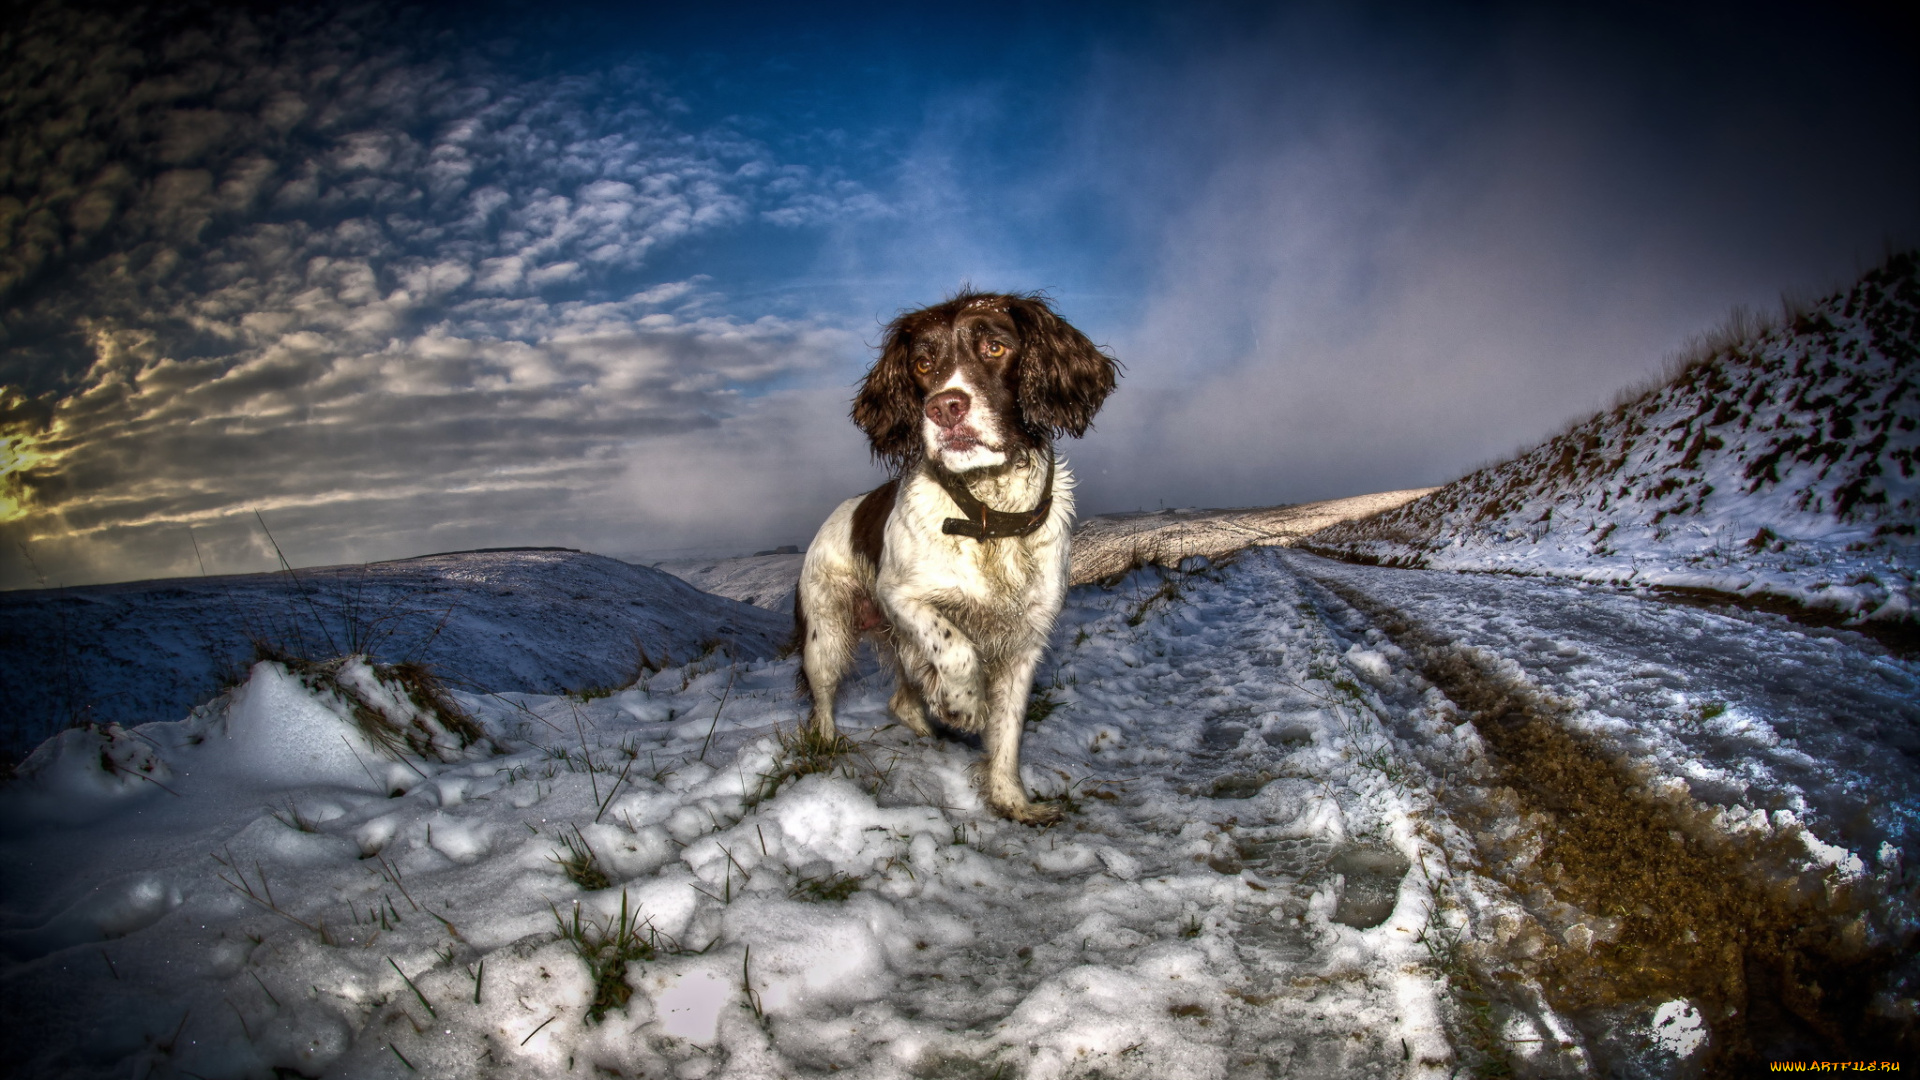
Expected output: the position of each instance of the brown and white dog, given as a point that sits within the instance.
(956, 567)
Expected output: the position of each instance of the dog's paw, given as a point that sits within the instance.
(911, 711)
(962, 708)
(1031, 813)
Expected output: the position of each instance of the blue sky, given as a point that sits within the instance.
(402, 280)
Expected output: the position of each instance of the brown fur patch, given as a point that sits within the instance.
(1054, 386)
(870, 521)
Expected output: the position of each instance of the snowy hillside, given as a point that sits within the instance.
(1303, 837)
(1780, 464)
(766, 580)
(1116, 543)
(528, 620)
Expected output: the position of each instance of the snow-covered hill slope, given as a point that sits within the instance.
(1286, 853)
(1782, 463)
(1116, 543)
(528, 620)
(765, 581)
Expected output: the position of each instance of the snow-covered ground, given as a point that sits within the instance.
(1752, 712)
(1276, 860)
(1781, 464)
(542, 620)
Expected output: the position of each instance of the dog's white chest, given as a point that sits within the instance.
(1002, 574)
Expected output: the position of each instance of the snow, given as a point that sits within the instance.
(1115, 543)
(278, 733)
(966, 938)
(1778, 723)
(765, 580)
(1103, 546)
(1256, 866)
(539, 620)
(1678, 1028)
(1783, 465)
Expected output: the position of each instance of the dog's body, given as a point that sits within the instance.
(957, 567)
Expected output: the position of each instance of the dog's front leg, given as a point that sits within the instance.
(936, 654)
(1011, 687)
(906, 705)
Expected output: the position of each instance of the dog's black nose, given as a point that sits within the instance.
(948, 407)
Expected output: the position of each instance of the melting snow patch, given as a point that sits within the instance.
(688, 999)
(811, 959)
(1844, 862)
(1678, 1028)
(1370, 663)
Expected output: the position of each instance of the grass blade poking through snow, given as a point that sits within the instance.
(607, 949)
(415, 989)
(581, 865)
(263, 896)
(746, 983)
(716, 715)
(802, 753)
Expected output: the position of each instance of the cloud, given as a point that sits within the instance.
(234, 132)
(286, 265)
(575, 428)
(400, 292)
(1381, 255)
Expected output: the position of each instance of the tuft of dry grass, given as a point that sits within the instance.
(417, 717)
(803, 753)
(293, 817)
(235, 877)
(830, 887)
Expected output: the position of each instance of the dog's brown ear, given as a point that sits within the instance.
(1063, 376)
(887, 407)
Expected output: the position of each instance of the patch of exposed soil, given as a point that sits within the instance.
(1650, 900)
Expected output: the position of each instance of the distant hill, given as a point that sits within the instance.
(532, 620)
(766, 580)
(1115, 543)
(1778, 461)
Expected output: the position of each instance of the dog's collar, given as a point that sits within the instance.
(983, 522)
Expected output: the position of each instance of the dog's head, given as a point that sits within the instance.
(973, 382)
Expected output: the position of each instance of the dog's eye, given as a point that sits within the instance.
(994, 350)
(923, 365)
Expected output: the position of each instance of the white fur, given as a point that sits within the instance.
(981, 426)
(966, 619)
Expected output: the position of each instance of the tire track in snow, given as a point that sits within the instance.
(1640, 897)
(1264, 744)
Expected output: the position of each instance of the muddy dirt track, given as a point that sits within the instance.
(1639, 892)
